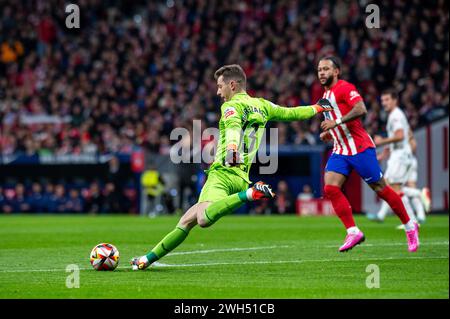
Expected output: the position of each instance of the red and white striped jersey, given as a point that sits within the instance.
(350, 138)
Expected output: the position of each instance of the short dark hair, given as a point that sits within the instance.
(335, 60)
(390, 91)
(232, 72)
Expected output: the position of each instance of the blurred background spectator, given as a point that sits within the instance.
(283, 203)
(20, 202)
(306, 193)
(74, 202)
(61, 198)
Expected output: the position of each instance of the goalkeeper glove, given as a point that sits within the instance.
(323, 105)
(232, 157)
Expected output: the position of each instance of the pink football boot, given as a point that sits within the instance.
(413, 238)
(351, 240)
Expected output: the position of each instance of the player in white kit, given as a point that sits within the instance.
(401, 172)
(420, 199)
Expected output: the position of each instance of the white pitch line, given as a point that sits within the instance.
(158, 265)
(40, 270)
(225, 250)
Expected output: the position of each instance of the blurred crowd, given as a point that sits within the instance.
(135, 70)
(284, 202)
(61, 198)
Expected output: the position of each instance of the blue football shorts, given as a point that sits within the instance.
(365, 164)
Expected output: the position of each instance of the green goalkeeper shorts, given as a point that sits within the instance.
(221, 184)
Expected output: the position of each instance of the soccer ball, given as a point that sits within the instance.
(104, 257)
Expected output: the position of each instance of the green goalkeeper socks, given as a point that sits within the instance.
(213, 213)
(225, 206)
(168, 243)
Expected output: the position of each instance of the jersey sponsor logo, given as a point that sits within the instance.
(353, 94)
(229, 111)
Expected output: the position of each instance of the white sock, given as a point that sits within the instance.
(418, 208)
(353, 230)
(144, 259)
(409, 225)
(411, 192)
(408, 208)
(384, 210)
(249, 194)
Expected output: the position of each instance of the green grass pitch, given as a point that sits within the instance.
(239, 257)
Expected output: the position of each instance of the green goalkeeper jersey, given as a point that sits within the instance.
(242, 123)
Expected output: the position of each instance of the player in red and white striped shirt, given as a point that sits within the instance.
(353, 149)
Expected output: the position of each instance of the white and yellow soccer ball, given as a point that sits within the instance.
(104, 257)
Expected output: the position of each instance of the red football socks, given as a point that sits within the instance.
(395, 201)
(340, 204)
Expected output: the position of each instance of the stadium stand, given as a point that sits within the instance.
(136, 70)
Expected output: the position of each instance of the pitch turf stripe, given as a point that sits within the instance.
(242, 263)
(171, 254)
(264, 262)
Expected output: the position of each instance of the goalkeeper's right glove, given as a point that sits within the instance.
(323, 105)
(232, 157)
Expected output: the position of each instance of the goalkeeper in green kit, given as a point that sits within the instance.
(241, 125)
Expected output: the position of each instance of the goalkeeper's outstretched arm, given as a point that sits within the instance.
(284, 114)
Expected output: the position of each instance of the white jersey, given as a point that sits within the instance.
(399, 163)
(398, 121)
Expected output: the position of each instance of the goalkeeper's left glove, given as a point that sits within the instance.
(323, 105)
(232, 157)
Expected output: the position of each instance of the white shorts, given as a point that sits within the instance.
(412, 176)
(398, 170)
